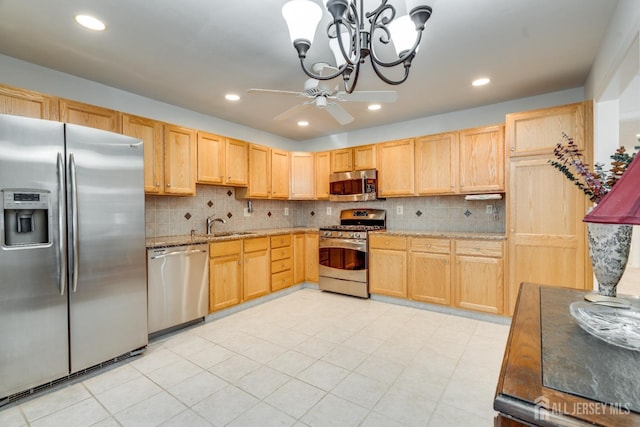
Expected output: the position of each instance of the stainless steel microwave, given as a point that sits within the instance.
(353, 186)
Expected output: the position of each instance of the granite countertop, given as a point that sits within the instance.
(461, 235)
(187, 239)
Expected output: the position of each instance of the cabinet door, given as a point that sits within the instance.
(364, 157)
(90, 116)
(257, 274)
(482, 159)
(298, 258)
(323, 170)
(211, 158)
(303, 174)
(279, 174)
(342, 160)
(478, 283)
(25, 103)
(311, 257)
(237, 162)
(538, 131)
(430, 277)
(225, 279)
(149, 131)
(436, 164)
(259, 172)
(179, 160)
(395, 168)
(388, 272)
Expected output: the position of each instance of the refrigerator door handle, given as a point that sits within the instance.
(62, 241)
(74, 222)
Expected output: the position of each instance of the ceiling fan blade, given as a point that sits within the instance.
(283, 92)
(369, 96)
(291, 111)
(340, 114)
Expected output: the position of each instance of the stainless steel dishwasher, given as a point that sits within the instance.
(178, 286)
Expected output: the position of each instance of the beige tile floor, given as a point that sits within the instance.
(307, 359)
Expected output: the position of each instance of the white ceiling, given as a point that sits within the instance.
(190, 53)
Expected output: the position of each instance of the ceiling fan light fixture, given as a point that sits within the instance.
(90, 22)
(354, 34)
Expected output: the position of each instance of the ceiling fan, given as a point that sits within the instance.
(318, 93)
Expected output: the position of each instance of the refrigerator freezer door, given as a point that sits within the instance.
(33, 307)
(108, 292)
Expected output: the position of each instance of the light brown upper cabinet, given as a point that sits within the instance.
(537, 132)
(354, 158)
(303, 175)
(481, 159)
(90, 115)
(436, 164)
(280, 166)
(25, 103)
(221, 160)
(323, 170)
(151, 133)
(179, 160)
(395, 168)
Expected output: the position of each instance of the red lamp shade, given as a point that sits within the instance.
(621, 205)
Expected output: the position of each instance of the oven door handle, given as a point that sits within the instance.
(358, 245)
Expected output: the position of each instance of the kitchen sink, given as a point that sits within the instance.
(230, 233)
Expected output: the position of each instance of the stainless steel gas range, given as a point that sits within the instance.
(344, 251)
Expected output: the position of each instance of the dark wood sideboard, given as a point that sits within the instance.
(521, 397)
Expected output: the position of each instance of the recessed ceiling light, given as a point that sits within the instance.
(374, 107)
(303, 123)
(90, 22)
(481, 82)
(231, 97)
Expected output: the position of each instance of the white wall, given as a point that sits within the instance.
(25, 75)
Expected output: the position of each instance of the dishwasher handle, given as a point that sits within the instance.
(188, 252)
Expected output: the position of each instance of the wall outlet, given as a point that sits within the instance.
(286, 211)
(246, 212)
(399, 210)
(488, 209)
(328, 210)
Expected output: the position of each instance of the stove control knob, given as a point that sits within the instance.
(339, 234)
(353, 235)
(327, 234)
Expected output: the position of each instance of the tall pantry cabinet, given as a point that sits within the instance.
(546, 235)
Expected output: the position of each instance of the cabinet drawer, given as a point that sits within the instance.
(256, 244)
(479, 247)
(229, 247)
(281, 253)
(281, 240)
(281, 265)
(381, 241)
(424, 244)
(281, 280)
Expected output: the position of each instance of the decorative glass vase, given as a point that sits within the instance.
(609, 246)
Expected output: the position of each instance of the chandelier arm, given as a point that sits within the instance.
(346, 55)
(378, 71)
(405, 56)
(352, 79)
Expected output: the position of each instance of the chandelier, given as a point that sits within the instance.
(353, 36)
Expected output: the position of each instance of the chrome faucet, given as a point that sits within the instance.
(211, 219)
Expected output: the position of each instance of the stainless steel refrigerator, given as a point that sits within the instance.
(72, 251)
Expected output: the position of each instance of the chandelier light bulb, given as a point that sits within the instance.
(403, 34)
(302, 17)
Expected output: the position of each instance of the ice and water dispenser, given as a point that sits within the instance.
(26, 217)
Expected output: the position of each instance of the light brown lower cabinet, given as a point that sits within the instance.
(479, 275)
(281, 262)
(256, 266)
(311, 258)
(298, 258)
(225, 274)
(388, 265)
(430, 270)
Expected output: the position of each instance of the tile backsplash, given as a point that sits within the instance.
(171, 216)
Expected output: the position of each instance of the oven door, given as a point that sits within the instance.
(343, 259)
